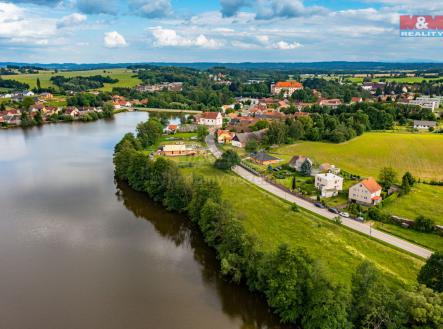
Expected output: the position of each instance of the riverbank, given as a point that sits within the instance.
(147, 109)
(294, 281)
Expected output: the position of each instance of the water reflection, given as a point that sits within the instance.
(236, 300)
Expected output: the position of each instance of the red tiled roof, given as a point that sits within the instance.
(371, 185)
(210, 115)
(376, 197)
(288, 84)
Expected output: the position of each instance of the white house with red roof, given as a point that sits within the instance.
(367, 192)
(211, 119)
(286, 87)
(334, 102)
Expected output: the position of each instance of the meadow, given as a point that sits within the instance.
(271, 221)
(422, 200)
(421, 154)
(124, 76)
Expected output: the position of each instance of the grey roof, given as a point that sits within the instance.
(262, 156)
(245, 137)
(425, 123)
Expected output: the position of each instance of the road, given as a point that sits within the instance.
(352, 224)
(148, 109)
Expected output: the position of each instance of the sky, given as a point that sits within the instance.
(112, 31)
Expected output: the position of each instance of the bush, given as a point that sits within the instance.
(423, 224)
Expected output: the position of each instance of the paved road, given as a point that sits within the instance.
(357, 226)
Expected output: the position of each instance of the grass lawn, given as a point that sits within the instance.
(124, 76)
(431, 241)
(399, 80)
(423, 200)
(338, 250)
(421, 154)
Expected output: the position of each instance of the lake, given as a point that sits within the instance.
(79, 250)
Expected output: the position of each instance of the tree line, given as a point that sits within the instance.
(293, 284)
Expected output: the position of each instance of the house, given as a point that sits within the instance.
(367, 192)
(177, 150)
(263, 159)
(287, 88)
(12, 119)
(72, 111)
(46, 96)
(170, 129)
(426, 102)
(334, 103)
(328, 184)
(38, 107)
(50, 110)
(212, 119)
(356, 100)
(421, 124)
(241, 139)
(297, 162)
(225, 136)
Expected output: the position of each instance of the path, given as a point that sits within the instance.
(352, 224)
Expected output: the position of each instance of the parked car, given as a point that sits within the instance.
(345, 214)
(333, 210)
(319, 205)
(360, 219)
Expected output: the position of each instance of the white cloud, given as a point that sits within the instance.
(114, 40)
(169, 38)
(71, 20)
(151, 8)
(283, 45)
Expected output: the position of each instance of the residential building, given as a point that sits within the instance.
(297, 162)
(421, 124)
(356, 100)
(241, 139)
(72, 111)
(171, 129)
(225, 136)
(177, 150)
(264, 159)
(328, 184)
(45, 96)
(286, 87)
(426, 102)
(334, 103)
(168, 86)
(211, 119)
(367, 192)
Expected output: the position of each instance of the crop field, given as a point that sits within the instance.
(272, 222)
(124, 76)
(421, 154)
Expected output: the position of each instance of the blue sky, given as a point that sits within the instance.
(90, 31)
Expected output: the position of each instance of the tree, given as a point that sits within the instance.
(251, 146)
(229, 159)
(431, 274)
(149, 132)
(286, 279)
(423, 224)
(406, 188)
(424, 307)
(294, 183)
(306, 168)
(202, 132)
(39, 86)
(387, 177)
(373, 304)
(411, 179)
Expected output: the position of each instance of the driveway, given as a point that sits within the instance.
(352, 224)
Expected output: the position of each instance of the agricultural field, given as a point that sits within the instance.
(423, 200)
(398, 80)
(421, 154)
(124, 76)
(272, 222)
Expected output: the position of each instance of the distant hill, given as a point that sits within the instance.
(313, 67)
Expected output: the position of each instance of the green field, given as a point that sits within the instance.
(430, 241)
(337, 249)
(421, 154)
(124, 76)
(399, 80)
(423, 200)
